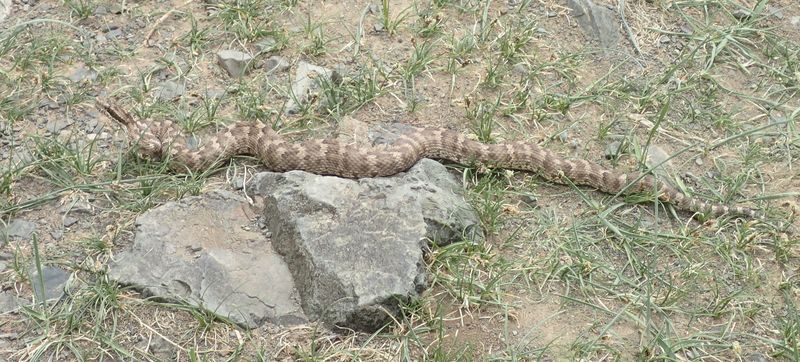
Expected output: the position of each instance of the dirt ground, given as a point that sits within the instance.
(566, 272)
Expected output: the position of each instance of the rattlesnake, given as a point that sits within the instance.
(162, 139)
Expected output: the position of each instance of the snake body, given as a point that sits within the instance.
(164, 140)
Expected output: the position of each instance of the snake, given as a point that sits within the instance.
(165, 140)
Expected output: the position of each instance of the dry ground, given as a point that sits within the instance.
(566, 273)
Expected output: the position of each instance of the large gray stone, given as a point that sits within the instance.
(355, 247)
(206, 251)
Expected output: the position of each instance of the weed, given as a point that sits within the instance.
(392, 24)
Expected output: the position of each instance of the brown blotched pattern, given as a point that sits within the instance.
(160, 139)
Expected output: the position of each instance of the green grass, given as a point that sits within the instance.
(565, 272)
(391, 22)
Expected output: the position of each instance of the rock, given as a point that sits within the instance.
(92, 124)
(10, 302)
(82, 74)
(775, 12)
(163, 73)
(192, 142)
(115, 8)
(55, 125)
(304, 84)
(596, 21)
(237, 183)
(51, 285)
(169, 90)
(100, 10)
(197, 251)
(159, 348)
(5, 9)
(4, 259)
(613, 150)
(18, 228)
(690, 178)
(112, 31)
(563, 136)
(741, 14)
(266, 45)
(658, 161)
(76, 204)
(355, 247)
(346, 252)
(388, 133)
(69, 221)
(112, 34)
(374, 9)
(234, 62)
(214, 94)
(757, 357)
(22, 157)
(48, 103)
(276, 64)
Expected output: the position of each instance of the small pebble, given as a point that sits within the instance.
(69, 221)
(612, 150)
(741, 14)
(563, 136)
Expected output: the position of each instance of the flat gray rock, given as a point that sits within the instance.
(82, 74)
(206, 251)
(56, 125)
(50, 285)
(355, 247)
(598, 22)
(9, 302)
(19, 228)
(169, 90)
